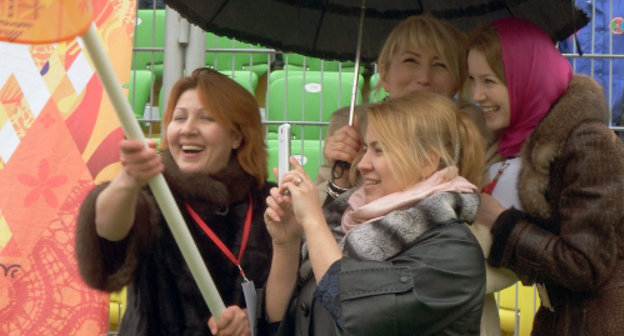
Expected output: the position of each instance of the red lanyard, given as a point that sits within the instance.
(219, 243)
(488, 189)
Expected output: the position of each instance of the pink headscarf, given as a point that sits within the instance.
(537, 75)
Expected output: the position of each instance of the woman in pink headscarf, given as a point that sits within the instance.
(555, 203)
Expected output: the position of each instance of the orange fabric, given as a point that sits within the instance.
(43, 21)
(59, 136)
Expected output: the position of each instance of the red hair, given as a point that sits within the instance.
(234, 108)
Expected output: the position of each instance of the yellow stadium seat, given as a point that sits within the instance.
(117, 309)
(517, 306)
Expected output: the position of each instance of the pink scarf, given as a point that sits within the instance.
(537, 75)
(443, 180)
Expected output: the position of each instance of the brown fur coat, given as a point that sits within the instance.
(571, 235)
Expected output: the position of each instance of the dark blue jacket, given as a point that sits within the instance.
(608, 26)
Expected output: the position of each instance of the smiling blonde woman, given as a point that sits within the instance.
(394, 256)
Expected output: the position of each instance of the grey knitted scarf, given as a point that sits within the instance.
(386, 237)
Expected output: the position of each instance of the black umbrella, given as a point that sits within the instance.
(328, 28)
(335, 29)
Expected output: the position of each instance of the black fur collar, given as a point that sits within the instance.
(208, 192)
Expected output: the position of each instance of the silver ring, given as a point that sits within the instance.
(298, 181)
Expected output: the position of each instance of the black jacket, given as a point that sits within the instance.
(433, 286)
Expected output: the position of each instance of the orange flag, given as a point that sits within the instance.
(58, 138)
(43, 21)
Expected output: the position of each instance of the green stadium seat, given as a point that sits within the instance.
(259, 63)
(149, 33)
(308, 96)
(245, 78)
(376, 95)
(298, 71)
(271, 135)
(308, 152)
(316, 64)
(228, 61)
(139, 91)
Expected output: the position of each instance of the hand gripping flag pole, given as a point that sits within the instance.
(27, 23)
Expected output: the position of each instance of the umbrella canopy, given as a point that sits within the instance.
(329, 28)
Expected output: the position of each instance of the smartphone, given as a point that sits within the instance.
(283, 141)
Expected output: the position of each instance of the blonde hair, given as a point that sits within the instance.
(485, 39)
(429, 33)
(234, 108)
(413, 128)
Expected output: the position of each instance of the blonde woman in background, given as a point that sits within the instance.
(422, 53)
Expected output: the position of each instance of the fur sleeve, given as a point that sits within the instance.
(577, 246)
(108, 265)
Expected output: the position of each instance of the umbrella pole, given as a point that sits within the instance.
(343, 165)
(356, 73)
(159, 187)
